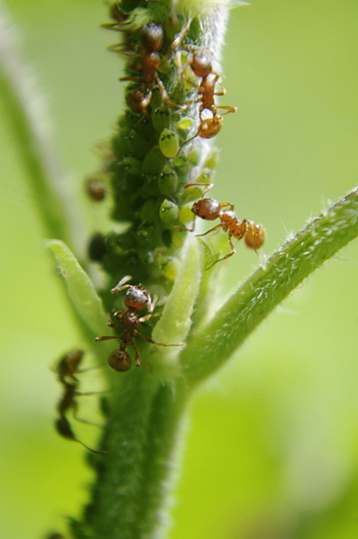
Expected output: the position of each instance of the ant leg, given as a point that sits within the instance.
(208, 187)
(177, 40)
(229, 110)
(151, 306)
(120, 286)
(64, 429)
(164, 95)
(233, 251)
(106, 338)
(136, 352)
(227, 205)
(211, 230)
(148, 316)
(148, 339)
(132, 79)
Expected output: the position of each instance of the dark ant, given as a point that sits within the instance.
(120, 24)
(210, 209)
(136, 299)
(95, 189)
(66, 370)
(202, 67)
(150, 44)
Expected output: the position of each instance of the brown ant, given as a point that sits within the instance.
(210, 209)
(66, 370)
(202, 67)
(151, 42)
(120, 24)
(136, 299)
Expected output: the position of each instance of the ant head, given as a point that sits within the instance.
(136, 298)
(119, 360)
(206, 208)
(152, 37)
(201, 64)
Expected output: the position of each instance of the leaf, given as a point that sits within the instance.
(175, 321)
(81, 290)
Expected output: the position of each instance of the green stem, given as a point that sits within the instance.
(30, 126)
(133, 479)
(268, 286)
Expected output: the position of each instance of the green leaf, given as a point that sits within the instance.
(175, 321)
(81, 290)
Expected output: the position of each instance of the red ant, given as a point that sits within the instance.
(136, 299)
(202, 67)
(66, 370)
(150, 44)
(210, 209)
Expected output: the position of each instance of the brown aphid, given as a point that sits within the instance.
(150, 46)
(136, 299)
(210, 209)
(95, 189)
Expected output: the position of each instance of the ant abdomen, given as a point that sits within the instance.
(255, 235)
(119, 360)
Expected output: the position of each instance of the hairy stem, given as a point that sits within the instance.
(270, 285)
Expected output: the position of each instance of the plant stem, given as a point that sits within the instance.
(269, 286)
(29, 120)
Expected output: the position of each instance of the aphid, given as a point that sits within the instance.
(202, 67)
(210, 209)
(66, 370)
(150, 45)
(95, 188)
(136, 299)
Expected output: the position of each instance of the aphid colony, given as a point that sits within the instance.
(148, 55)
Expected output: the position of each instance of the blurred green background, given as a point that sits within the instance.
(272, 444)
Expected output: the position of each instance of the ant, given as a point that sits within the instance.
(151, 42)
(136, 299)
(121, 23)
(210, 209)
(202, 67)
(66, 370)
